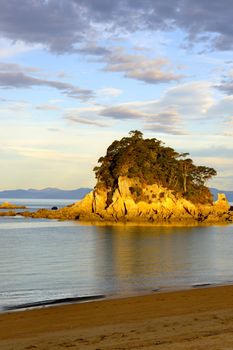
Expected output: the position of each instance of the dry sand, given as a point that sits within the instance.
(192, 319)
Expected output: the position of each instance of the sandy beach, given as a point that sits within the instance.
(199, 318)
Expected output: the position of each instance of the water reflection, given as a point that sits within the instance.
(48, 259)
(135, 258)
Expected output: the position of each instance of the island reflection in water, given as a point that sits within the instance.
(141, 258)
(43, 259)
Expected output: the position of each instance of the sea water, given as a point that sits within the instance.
(48, 259)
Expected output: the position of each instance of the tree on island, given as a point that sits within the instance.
(151, 162)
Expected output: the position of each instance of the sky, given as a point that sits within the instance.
(76, 75)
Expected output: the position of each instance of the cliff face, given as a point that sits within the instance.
(154, 204)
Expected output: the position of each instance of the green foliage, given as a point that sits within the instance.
(151, 162)
(135, 190)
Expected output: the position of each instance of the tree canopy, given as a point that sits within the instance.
(150, 161)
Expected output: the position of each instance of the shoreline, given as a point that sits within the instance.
(187, 319)
(95, 210)
(120, 223)
(50, 303)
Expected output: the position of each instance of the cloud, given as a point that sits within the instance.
(185, 106)
(167, 122)
(182, 110)
(171, 114)
(88, 111)
(202, 21)
(60, 25)
(222, 164)
(192, 99)
(15, 76)
(91, 48)
(48, 107)
(45, 153)
(14, 67)
(62, 74)
(55, 100)
(134, 66)
(164, 129)
(85, 115)
(122, 112)
(222, 107)
(11, 49)
(55, 24)
(54, 129)
(222, 112)
(226, 86)
(110, 91)
(84, 121)
(140, 67)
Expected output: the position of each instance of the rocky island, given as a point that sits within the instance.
(7, 209)
(141, 180)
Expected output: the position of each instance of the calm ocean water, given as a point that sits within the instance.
(46, 259)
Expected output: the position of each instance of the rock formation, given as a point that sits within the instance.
(141, 180)
(159, 206)
(7, 205)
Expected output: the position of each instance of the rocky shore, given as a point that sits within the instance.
(7, 205)
(157, 205)
(8, 209)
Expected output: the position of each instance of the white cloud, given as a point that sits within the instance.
(109, 91)
(183, 109)
(139, 67)
(46, 154)
(190, 99)
(48, 107)
(85, 121)
(15, 76)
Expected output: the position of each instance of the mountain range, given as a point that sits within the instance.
(56, 193)
(46, 193)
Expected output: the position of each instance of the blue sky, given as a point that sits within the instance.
(76, 75)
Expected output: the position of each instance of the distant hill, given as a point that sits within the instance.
(215, 191)
(46, 193)
(56, 193)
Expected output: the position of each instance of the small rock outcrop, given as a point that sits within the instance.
(221, 203)
(7, 205)
(54, 208)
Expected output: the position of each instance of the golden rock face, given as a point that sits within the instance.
(147, 204)
(155, 204)
(222, 203)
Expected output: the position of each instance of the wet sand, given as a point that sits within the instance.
(199, 318)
